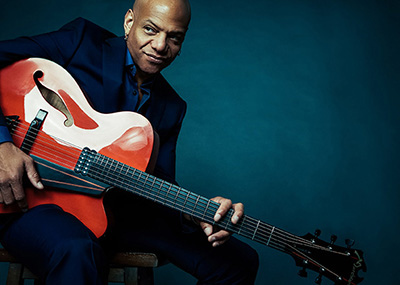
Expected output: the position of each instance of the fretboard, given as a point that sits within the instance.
(129, 179)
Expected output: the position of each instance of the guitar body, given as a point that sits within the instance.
(70, 125)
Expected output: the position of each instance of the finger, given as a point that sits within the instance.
(220, 242)
(19, 194)
(32, 174)
(219, 238)
(239, 212)
(225, 205)
(207, 228)
(7, 195)
(23, 204)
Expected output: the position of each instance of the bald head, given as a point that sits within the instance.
(178, 8)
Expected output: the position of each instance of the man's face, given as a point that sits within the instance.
(156, 31)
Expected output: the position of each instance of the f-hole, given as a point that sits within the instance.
(53, 99)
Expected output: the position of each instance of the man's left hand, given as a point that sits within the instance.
(216, 236)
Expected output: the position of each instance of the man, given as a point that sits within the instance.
(117, 75)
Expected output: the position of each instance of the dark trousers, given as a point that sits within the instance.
(61, 250)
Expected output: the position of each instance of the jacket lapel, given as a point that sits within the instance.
(157, 103)
(114, 51)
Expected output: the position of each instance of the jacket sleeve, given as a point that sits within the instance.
(165, 166)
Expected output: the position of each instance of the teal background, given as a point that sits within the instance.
(293, 110)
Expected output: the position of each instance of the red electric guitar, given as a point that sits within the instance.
(80, 154)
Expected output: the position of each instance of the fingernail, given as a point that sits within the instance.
(40, 185)
(217, 217)
(207, 231)
(235, 219)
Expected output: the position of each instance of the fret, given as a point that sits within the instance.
(228, 218)
(159, 189)
(138, 178)
(101, 163)
(176, 197)
(166, 195)
(145, 181)
(104, 163)
(269, 239)
(195, 205)
(256, 229)
(127, 170)
(151, 187)
(120, 166)
(204, 213)
(109, 167)
(184, 204)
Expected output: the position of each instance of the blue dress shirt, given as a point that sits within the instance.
(131, 102)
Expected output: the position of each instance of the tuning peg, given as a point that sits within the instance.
(333, 239)
(316, 235)
(318, 280)
(349, 242)
(302, 272)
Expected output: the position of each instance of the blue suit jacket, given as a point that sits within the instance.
(96, 59)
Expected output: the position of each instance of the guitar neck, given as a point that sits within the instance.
(129, 179)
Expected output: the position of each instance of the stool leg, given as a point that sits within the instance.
(145, 276)
(15, 274)
(131, 275)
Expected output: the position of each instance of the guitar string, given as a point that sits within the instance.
(78, 153)
(253, 222)
(314, 262)
(277, 242)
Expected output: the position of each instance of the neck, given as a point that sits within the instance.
(141, 76)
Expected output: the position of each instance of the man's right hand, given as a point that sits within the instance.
(14, 163)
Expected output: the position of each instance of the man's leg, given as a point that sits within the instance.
(56, 246)
(149, 227)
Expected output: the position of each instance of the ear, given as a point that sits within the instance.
(128, 21)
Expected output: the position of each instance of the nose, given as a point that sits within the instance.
(159, 43)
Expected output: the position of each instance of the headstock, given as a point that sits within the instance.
(339, 264)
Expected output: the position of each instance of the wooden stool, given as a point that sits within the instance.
(123, 268)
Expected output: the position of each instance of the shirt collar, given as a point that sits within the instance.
(131, 67)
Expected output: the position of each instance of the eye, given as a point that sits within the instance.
(176, 39)
(149, 30)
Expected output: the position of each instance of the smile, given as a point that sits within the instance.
(155, 59)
